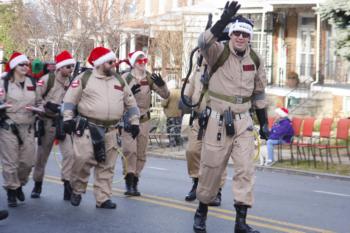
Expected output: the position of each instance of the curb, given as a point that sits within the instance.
(318, 175)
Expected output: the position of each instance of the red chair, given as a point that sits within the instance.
(305, 139)
(324, 141)
(297, 123)
(271, 121)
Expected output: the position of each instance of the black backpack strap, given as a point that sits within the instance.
(50, 83)
(255, 58)
(221, 60)
(85, 78)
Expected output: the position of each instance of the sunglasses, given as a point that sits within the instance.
(23, 64)
(244, 34)
(142, 61)
(69, 67)
(111, 62)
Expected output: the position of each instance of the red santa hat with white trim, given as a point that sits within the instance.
(64, 59)
(100, 55)
(17, 58)
(134, 56)
(282, 112)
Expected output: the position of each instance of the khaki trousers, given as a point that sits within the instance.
(17, 160)
(84, 160)
(134, 150)
(193, 154)
(215, 156)
(44, 150)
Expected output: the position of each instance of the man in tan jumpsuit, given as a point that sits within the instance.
(236, 85)
(193, 151)
(52, 88)
(100, 97)
(174, 117)
(18, 96)
(134, 150)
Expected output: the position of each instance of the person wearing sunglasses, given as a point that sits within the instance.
(142, 83)
(18, 95)
(52, 88)
(237, 82)
(99, 102)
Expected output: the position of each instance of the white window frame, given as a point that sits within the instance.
(298, 52)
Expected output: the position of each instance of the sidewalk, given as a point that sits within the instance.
(179, 153)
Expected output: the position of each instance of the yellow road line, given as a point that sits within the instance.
(216, 212)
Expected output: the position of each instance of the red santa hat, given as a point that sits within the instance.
(100, 55)
(134, 56)
(282, 112)
(64, 59)
(17, 58)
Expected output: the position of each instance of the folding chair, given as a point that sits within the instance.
(296, 123)
(305, 139)
(323, 142)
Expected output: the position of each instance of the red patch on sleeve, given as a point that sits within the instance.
(248, 67)
(120, 88)
(144, 83)
(30, 88)
(40, 83)
(75, 83)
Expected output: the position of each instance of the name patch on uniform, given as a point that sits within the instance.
(75, 83)
(30, 88)
(120, 88)
(40, 83)
(144, 83)
(248, 67)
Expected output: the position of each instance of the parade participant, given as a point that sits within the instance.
(19, 102)
(134, 150)
(100, 97)
(52, 88)
(193, 151)
(236, 83)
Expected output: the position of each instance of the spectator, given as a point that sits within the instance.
(174, 117)
(281, 133)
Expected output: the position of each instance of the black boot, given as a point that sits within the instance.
(200, 218)
(67, 190)
(36, 190)
(217, 200)
(107, 205)
(3, 214)
(129, 185)
(136, 191)
(11, 198)
(75, 199)
(191, 196)
(241, 226)
(19, 194)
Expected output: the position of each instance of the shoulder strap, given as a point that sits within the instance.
(6, 83)
(129, 78)
(120, 79)
(221, 60)
(85, 78)
(149, 79)
(255, 58)
(50, 83)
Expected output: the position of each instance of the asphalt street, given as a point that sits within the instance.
(283, 203)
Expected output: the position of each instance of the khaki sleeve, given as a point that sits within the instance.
(162, 91)
(189, 89)
(2, 92)
(164, 103)
(260, 82)
(72, 98)
(209, 47)
(130, 106)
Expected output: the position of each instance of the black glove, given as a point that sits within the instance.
(52, 107)
(69, 126)
(263, 122)
(157, 79)
(135, 89)
(230, 10)
(134, 130)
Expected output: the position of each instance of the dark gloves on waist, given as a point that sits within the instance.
(263, 122)
(135, 89)
(157, 79)
(134, 130)
(69, 126)
(52, 107)
(230, 10)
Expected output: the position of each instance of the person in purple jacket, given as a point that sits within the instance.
(281, 132)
